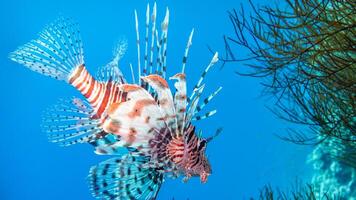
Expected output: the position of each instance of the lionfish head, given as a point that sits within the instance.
(203, 169)
(200, 166)
(205, 164)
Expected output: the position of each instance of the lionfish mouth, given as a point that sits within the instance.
(204, 177)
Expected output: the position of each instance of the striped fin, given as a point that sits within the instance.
(207, 100)
(146, 39)
(162, 43)
(132, 74)
(164, 27)
(206, 115)
(153, 29)
(212, 62)
(153, 40)
(124, 178)
(217, 133)
(56, 52)
(194, 104)
(180, 98)
(158, 150)
(111, 71)
(71, 122)
(159, 54)
(104, 142)
(189, 43)
(138, 46)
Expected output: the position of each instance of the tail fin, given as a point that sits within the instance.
(57, 51)
(125, 178)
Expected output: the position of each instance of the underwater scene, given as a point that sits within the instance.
(178, 100)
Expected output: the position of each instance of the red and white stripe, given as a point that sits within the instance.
(99, 94)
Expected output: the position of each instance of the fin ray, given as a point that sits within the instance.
(111, 71)
(213, 61)
(56, 52)
(124, 178)
(70, 122)
(206, 115)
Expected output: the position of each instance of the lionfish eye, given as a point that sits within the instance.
(202, 144)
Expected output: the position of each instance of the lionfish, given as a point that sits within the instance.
(148, 129)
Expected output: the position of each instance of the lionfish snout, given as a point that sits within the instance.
(203, 171)
(204, 177)
(206, 170)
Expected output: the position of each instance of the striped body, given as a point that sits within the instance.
(100, 95)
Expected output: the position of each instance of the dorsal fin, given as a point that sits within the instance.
(111, 71)
(180, 99)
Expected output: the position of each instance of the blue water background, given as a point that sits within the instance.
(244, 157)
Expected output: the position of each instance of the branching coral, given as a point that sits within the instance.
(306, 55)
